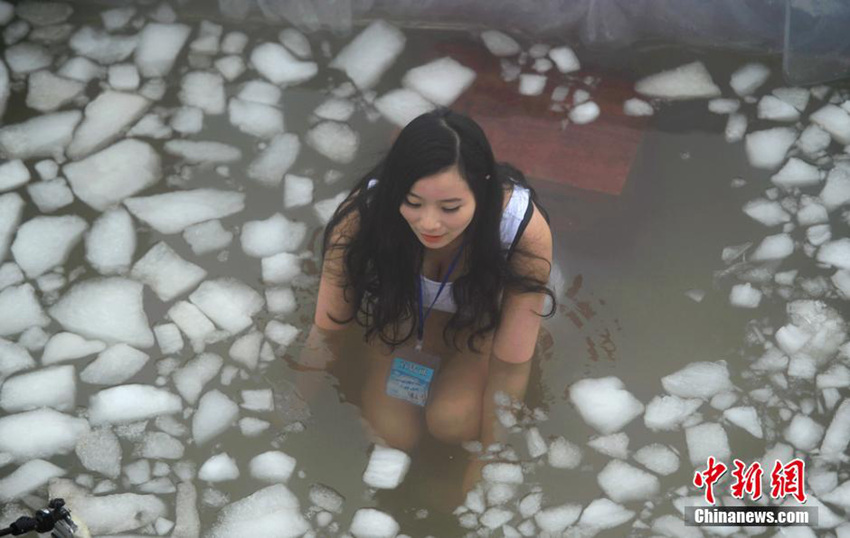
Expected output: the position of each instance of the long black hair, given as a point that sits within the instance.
(383, 257)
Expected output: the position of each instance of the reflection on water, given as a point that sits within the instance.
(642, 297)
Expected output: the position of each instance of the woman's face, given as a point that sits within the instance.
(438, 208)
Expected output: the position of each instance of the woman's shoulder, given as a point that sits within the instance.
(537, 236)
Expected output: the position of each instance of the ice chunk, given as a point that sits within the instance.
(658, 458)
(13, 358)
(101, 46)
(272, 512)
(109, 309)
(252, 427)
(402, 105)
(43, 136)
(258, 400)
(207, 236)
(837, 436)
(56, 433)
(335, 109)
(698, 380)
(219, 468)
(325, 209)
(767, 212)
(272, 466)
(196, 152)
(279, 66)
(50, 195)
(80, 69)
(835, 253)
(27, 478)
(440, 81)
(20, 310)
(767, 149)
(707, 439)
(834, 120)
(13, 174)
(195, 325)
(748, 78)
(281, 268)
(191, 378)
(11, 208)
(736, 127)
(803, 432)
(150, 126)
(530, 84)
(216, 413)
(387, 468)
(796, 173)
(168, 338)
(130, 403)
(297, 191)
(234, 43)
(370, 54)
(505, 473)
(50, 387)
(836, 192)
(166, 272)
(724, 106)
(204, 90)
(272, 163)
(746, 418)
(25, 58)
(604, 514)
(336, 141)
(584, 113)
(637, 107)
(773, 108)
(111, 242)
(814, 141)
(259, 91)
(615, 445)
(666, 413)
(123, 77)
(109, 514)
(188, 120)
(283, 334)
(564, 454)
(690, 81)
(500, 44)
(296, 42)
(774, 247)
(372, 523)
(42, 243)
(565, 59)
(44, 13)
(230, 67)
(256, 119)
(209, 35)
(624, 483)
(174, 211)
(47, 92)
(117, 18)
(535, 443)
(605, 404)
(159, 45)
(263, 238)
(100, 451)
(228, 302)
(115, 365)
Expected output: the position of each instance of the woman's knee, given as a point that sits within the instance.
(454, 418)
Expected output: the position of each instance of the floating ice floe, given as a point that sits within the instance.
(803, 432)
(45, 242)
(698, 380)
(658, 458)
(195, 325)
(270, 166)
(372, 523)
(228, 302)
(80, 69)
(115, 365)
(565, 59)
(123, 77)
(107, 117)
(748, 78)
(834, 120)
(65, 346)
(111, 242)
(43, 136)
(99, 450)
(767, 212)
(204, 90)
(797, 173)
(530, 84)
(402, 105)
(773, 247)
(666, 413)
(272, 512)
(836, 191)
(46, 92)
(101, 46)
(705, 440)
(745, 296)
(690, 81)
(279, 66)
(637, 107)
(13, 174)
(605, 404)
(209, 36)
(835, 253)
(203, 152)
(20, 310)
(117, 18)
(158, 47)
(499, 43)
(771, 107)
(25, 58)
(584, 113)
(259, 91)
(219, 468)
(20, 393)
(50, 195)
(296, 42)
(624, 483)
(440, 81)
(370, 54)
(615, 445)
(131, 403)
(106, 178)
(256, 119)
(297, 191)
(44, 13)
(386, 468)
(745, 417)
(175, 211)
(187, 120)
(166, 272)
(768, 148)
(191, 378)
(11, 209)
(230, 67)
(272, 467)
(57, 434)
(30, 476)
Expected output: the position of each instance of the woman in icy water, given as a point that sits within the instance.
(442, 254)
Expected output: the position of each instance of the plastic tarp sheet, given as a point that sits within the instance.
(810, 33)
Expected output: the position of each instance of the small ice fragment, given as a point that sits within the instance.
(796, 173)
(29, 477)
(280, 67)
(281, 301)
(604, 514)
(773, 108)
(102, 47)
(191, 378)
(258, 91)
(637, 107)
(207, 236)
(767, 149)
(724, 106)
(400, 106)
(100, 451)
(698, 380)
(219, 468)
(803, 432)
(45, 242)
(624, 483)
(336, 141)
(56, 433)
(767, 212)
(50, 195)
(837, 436)
(530, 84)
(440, 81)
(745, 417)
(690, 81)
(658, 458)
(386, 468)
(796, 97)
(836, 192)
(252, 427)
(747, 79)
(160, 446)
(535, 443)
(370, 54)
(372, 523)
(494, 518)
(263, 238)
(116, 365)
(197, 327)
(111, 242)
(272, 163)
(207, 42)
(615, 445)
(258, 400)
(187, 120)
(20, 310)
(707, 439)
(296, 42)
(48, 92)
(499, 44)
(204, 90)
(246, 349)
(256, 119)
(159, 46)
(13, 174)
(814, 141)
(565, 59)
(508, 473)
(834, 120)
(283, 334)
(117, 18)
(605, 404)
(80, 69)
(297, 191)
(324, 209)
(736, 127)
(25, 58)
(175, 211)
(228, 302)
(49, 387)
(124, 77)
(230, 67)
(335, 109)
(129, 403)
(584, 113)
(215, 414)
(109, 115)
(272, 467)
(667, 413)
(167, 274)
(46, 135)
(835, 253)
(774, 247)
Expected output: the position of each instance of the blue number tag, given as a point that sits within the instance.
(409, 381)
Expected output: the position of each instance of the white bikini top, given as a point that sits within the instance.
(515, 218)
